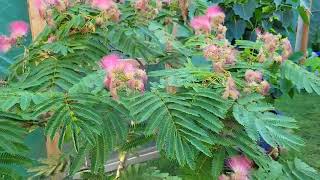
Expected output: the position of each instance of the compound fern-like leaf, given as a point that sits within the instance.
(259, 121)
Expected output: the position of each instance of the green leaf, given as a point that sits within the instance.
(236, 28)
(258, 122)
(25, 101)
(250, 98)
(296, 56)
(13, 159)
(285, 17)
(171, 116)
(79, 159)
(56, 47)
(300, 77)
(217, 163)
(245, 11)
(56, 121)
(314, 63)
(277, 2)
(92, 83)
(306, 169)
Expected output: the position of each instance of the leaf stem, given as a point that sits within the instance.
(122, 158)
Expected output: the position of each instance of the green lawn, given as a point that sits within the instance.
(306, 110)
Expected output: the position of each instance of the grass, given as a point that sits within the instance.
(305, 109)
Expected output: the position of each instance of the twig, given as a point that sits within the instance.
(122, 159)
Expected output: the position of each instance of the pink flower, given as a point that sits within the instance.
(212, 52)
(166, 1)
(213, 11)
(140, 87)
(133, 62)
(18, 29)
(241, 166)
(287, 49)
(53, 2)
(271, 42)
(261, 56)
(258, 32)
(132, 83)
(216, 16)
(110, 62)
(201, 23)
(253, 76)
(108, 82)
(39, 4)
(224, 54)
(128, 67)
(141, 5)
(231, 90)
(136, 85)
(115, 14)
(224, 177)
(123, 74)
(230, 57)
(221, 31)
(51, 39)
(141, 74)
(102, 4)
(218, 67)
(129, 70)
(5, 44)
(265, 87)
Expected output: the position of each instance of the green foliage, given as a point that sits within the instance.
(300, 170)
(49, 167)
(8, 164)
(313, 63)
(289, 169)
(258, 122)
(245, 11)
(11, 133)
(79, 159)
(218, 163)
(92, 83)
(60, 86)
(112, 134)
(142, 171)
(314, 35)
(131, 42)
(243, 17)
(179, 127)
(61, 64)
(70, 113)
(301, 78)
(12, 148)
(238, 28)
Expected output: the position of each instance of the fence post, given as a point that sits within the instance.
(302, 35)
